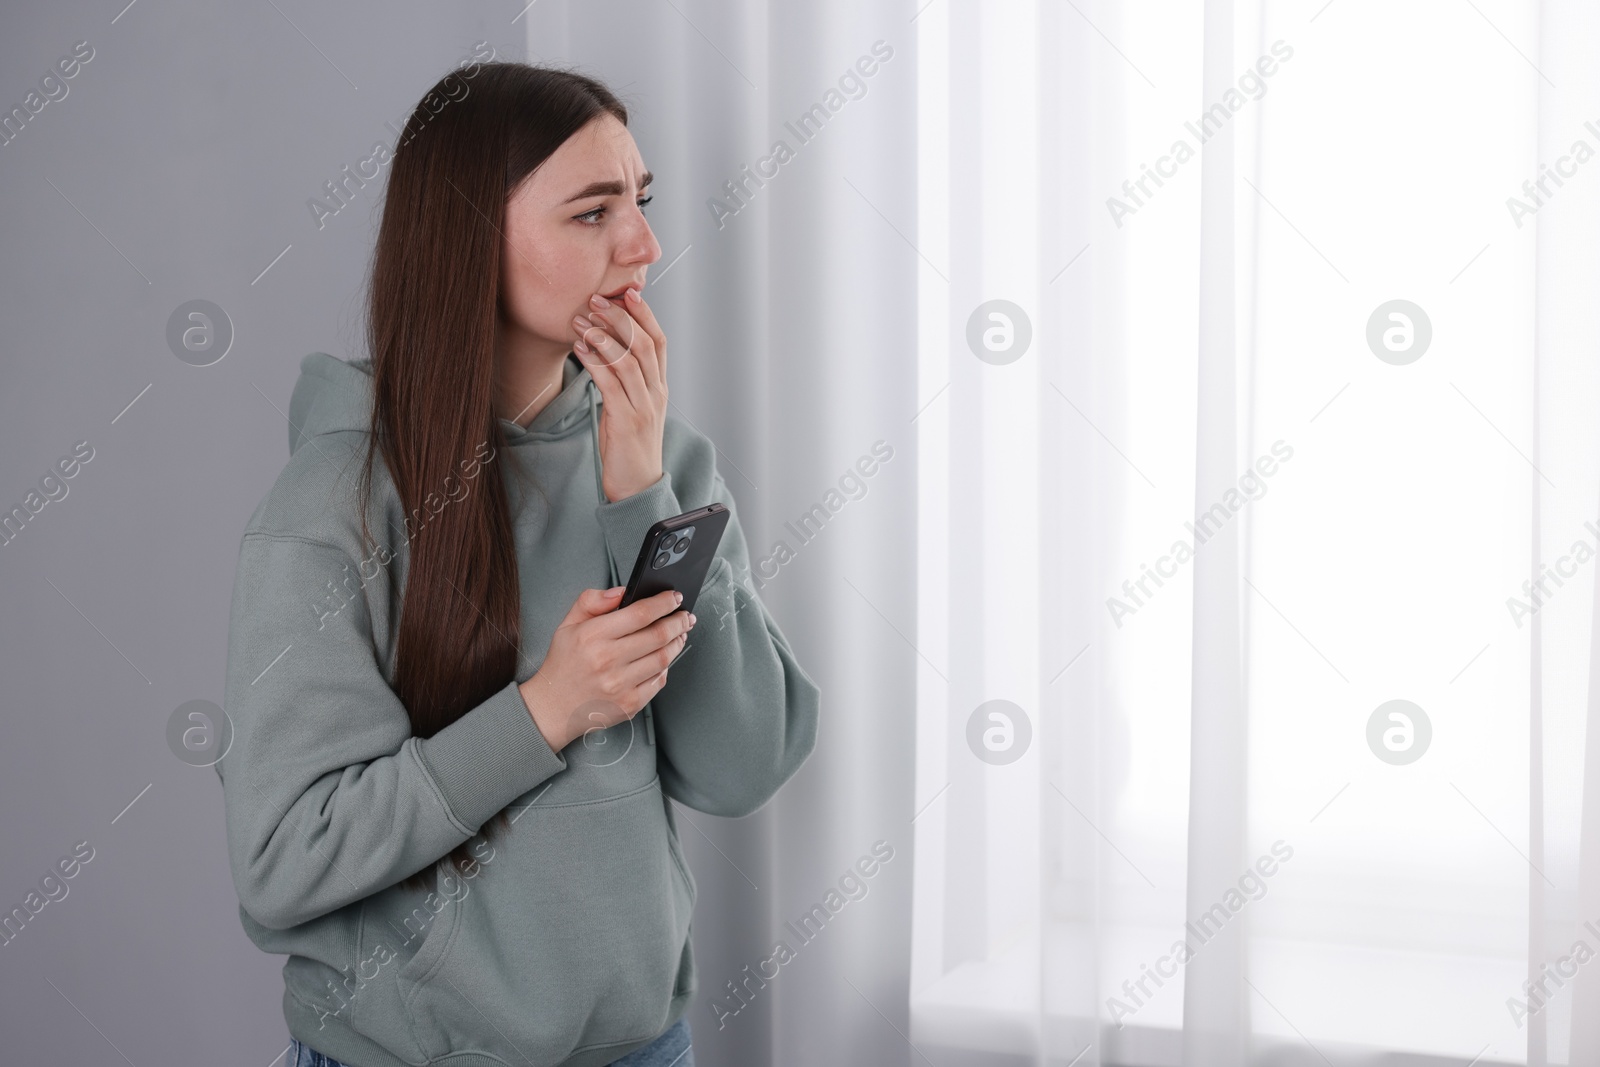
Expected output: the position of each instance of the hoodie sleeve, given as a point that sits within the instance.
(738, 715)
(329, 795)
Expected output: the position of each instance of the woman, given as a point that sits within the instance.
(442, 803)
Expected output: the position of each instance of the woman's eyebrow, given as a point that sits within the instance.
(606, 189)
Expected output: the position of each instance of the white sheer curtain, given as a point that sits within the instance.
(1211, 499)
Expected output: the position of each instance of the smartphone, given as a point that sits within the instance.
(677, 554)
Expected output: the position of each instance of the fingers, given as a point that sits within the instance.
(592, 603)
(589, 344)
(638, 615)
(624, 348)
(644, 693)
(624, 332)
(635, 325)
(643, 670)
(633, 301)
(615, 367)
(640, 342)
(669, 634)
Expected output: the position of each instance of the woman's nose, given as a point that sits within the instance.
(641, 245)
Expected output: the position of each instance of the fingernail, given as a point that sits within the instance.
(579, 347)
(691, 620)
(599, 301)
(633, 296)
(677, 598)
(582, 322)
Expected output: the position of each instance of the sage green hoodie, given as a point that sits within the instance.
(567, 942)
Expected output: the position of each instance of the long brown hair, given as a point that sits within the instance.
(431, 321)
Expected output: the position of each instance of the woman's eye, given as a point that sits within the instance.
(592, 218)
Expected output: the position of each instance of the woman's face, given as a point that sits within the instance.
(574, 228)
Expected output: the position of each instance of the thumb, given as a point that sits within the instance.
(594, 602)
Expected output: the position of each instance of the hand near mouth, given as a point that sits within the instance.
(632, 377)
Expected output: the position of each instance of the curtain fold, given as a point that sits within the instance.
(1216, 1007)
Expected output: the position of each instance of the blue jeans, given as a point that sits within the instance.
(671, 1049)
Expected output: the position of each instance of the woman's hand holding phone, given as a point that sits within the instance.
(605, 663)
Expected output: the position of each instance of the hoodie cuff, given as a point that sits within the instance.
(487, 758)
(626, 521)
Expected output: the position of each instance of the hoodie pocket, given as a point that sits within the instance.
(573, 940)
(435, 940)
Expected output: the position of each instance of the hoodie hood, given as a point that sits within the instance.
(335, 395)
